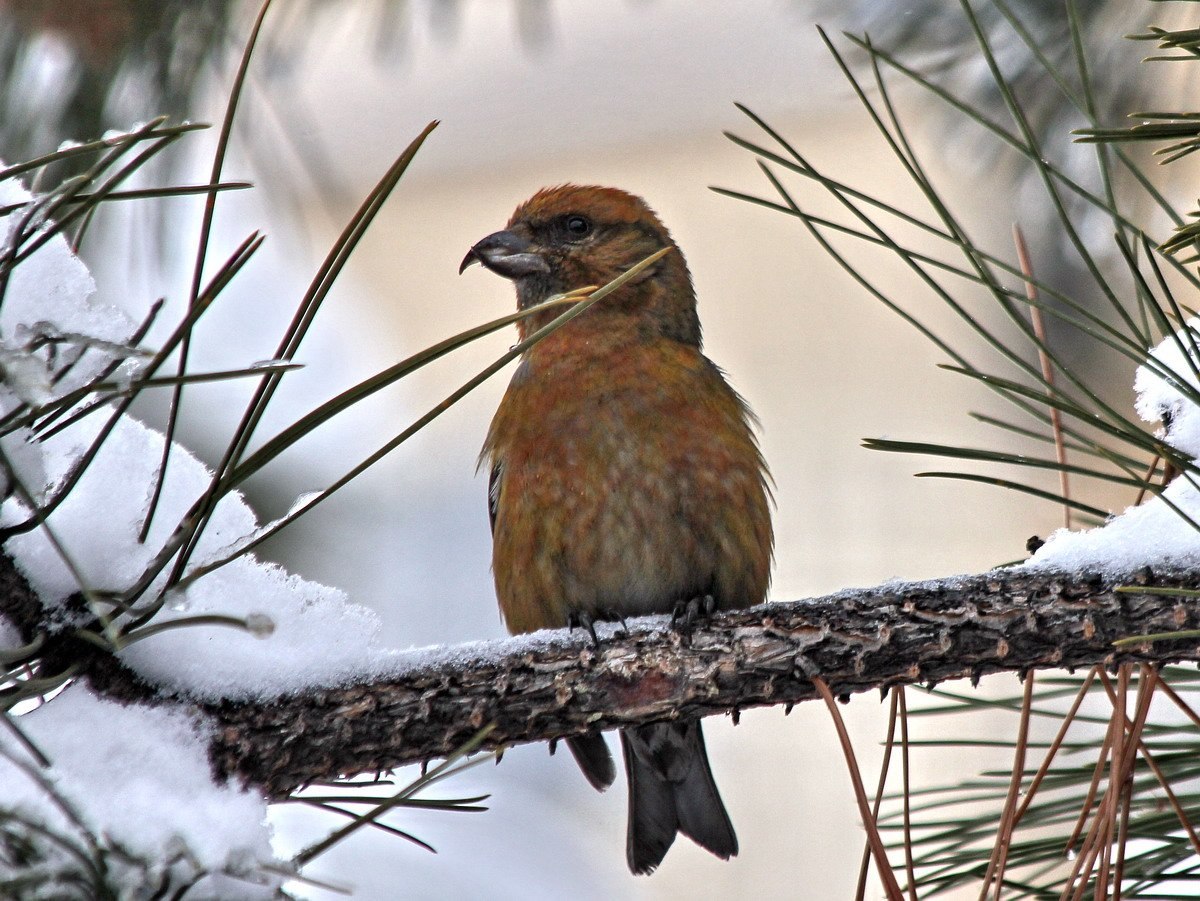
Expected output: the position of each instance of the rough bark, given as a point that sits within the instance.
(856, 640)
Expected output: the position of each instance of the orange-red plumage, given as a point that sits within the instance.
(626, 479)
(630, 482)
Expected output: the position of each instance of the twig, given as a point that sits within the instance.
(1141, 495)
(909, 868)
(1179, 702)
(1097, 772)
(1172, 799)
(553, 685)
(1116, 785)
(886, 874)
(861, 891)
(1039, 329)
(1055, 745)
(1008, 818)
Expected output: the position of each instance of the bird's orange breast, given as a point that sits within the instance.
(629, 481)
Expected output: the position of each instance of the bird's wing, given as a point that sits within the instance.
(494, 492)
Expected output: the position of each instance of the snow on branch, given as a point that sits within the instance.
(555, 684)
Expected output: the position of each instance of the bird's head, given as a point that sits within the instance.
(570, 236)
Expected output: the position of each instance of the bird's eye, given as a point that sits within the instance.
(577, 226)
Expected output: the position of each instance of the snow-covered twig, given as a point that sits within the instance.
(553, 684)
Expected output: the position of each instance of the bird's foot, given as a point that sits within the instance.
(687, 614)
(585, 621)
(614, 616)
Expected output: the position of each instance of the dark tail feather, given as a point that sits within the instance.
(652, 818)
(702, 815)
(591, 753)
(671, 789)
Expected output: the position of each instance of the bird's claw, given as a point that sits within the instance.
(615, 616)
(687, 614)
(587, 622)
(584, 621)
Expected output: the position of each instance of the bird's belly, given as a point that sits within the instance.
(618, 536)
(628, 483)
(631, 549)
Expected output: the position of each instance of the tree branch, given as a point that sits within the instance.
(552, 685)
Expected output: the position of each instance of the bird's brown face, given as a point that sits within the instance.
(573, 236)
(570, 237)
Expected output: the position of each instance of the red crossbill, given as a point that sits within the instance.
(625, 478)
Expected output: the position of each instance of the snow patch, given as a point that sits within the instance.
(1164, 531)
(138, 778)
(317, 636)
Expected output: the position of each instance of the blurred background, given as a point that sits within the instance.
(531, 93)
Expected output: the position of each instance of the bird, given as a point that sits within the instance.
(625, 477)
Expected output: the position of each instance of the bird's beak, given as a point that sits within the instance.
(505, 253)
